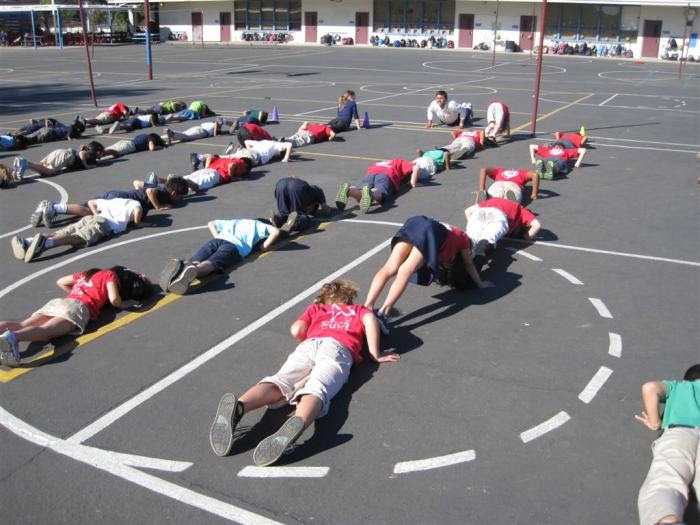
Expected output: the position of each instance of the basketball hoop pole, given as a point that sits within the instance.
(495, 34)
(147, 14)
(538, 71)
(87, 51)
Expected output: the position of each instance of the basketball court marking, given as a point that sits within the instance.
(436, 462)
(552, 423)
(283, 472)
(61, 191)
(615, 348)
(600, 308)
(566, 275)
(595, 384)
(554, 70)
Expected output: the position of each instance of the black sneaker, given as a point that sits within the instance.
(272, 447)
(228, 414)
(383, 321)
(180, 284)
(19, 249)
(35, 247)
(171, 269)
(271, 216)
(290, 222)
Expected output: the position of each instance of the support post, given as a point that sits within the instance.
(683, 49)
(33, 29)
(495, 33)
(147, 13)
(59, 28)
(538, 71)
(87, 51)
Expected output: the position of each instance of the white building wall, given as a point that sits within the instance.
(337, 18)
(673, 21)
(177, 16)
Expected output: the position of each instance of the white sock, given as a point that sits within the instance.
(60, 208)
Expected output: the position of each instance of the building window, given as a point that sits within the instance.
(414, 16)
(569, 21)
(551, 22)
(608, 23)
(268, 15)
(629, 23)
(588, 25)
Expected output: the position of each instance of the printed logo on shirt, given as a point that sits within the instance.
(384, 164)
(509, 174)
(340, 318)
(557, 150)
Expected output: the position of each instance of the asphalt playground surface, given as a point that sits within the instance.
(510, 405)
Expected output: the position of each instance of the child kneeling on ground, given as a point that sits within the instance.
(331, 333)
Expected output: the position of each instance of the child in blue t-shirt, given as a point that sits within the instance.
(676, 454)
(233, 240)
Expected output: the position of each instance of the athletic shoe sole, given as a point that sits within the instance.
(38, 214)
(48, 215)
(270, 449)
(34, 248)
(18, 248)
(221, 431)
(172, 268)
(365, 200)
(341, 199)
(181, 283)
(289, 223)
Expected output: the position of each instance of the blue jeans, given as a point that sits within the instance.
(222, 254)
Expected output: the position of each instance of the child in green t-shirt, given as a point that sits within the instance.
(676, 454)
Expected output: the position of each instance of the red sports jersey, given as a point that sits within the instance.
(92, 292)
(118, 110)
(556, 151)
(519, 177)
(257, 132)
(473, 134)
(517, 215)
(342, 322)
(456, 241)
(397, 170)
(574, 138)
(221, 165)
(320, 131)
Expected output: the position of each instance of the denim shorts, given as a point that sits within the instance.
(222, 254)
(380, 182)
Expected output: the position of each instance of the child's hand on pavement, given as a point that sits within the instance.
(646, 421)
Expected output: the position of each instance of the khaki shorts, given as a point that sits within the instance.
(90, 229)
(427, 167)
(71, 310)
(301, 138)
(59, 159)
(123, 147)
(105, 118)
(500, 187)
(245, 153)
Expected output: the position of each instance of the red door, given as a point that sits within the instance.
(225, 20)
(310, 23)
(466, 30)
(361, 28)
(197, 32)
(527, 31)
(651, 38)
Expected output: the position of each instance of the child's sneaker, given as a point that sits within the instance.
(9, 350)
(171, 269)
(151, 180)
(230, 148)
(481, 196)
(366, 199)
(272, 447)
(35, 247)
(99, 130)
(194, 161)
(271, 216)
(20, 166)
(19, 249)
(548, 173)
(180, 284)
(168, 136)
(291, 221)
(49, 214)
(341, 199)
(228, 414)
(510, 195)
(383, 322)
(38, 214)
(114, 127)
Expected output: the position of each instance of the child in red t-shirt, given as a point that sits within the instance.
(88, 293)
(555, 159)
(113, 113)
(382, 181)
(331, 332)
(310, 134)
(570, 140)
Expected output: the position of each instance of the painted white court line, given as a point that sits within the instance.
(126, 407)
(616, 139)
(112, 464)
(615, 347)
(607, 100)
(622, 146)
(566, 275)
(552, 423)
(364, 221)
(283, 472)
(64, 199)
(595, 384)
(601, 308)
(606, 252)
(523, 253)
(436, 462)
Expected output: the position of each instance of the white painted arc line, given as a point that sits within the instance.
(615, 347)
(523, 253)
(606, 252)
(363, 221)
(133, 460)
(552, 423)
(123, 409)
(566, 275)
(100, 459)
(436, 462)
(283, 472)
(607, 100)
(595, 384)
(83, 255)
(600, 308)
(64, 199)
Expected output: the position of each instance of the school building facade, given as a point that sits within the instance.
(644, 27)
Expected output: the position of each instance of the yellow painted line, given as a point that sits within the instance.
(554, 112)
(13, 373)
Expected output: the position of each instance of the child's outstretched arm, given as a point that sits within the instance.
(652, 393)
(372, 334)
